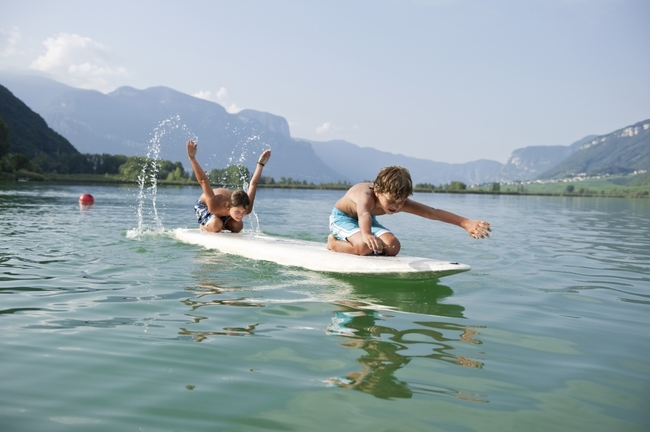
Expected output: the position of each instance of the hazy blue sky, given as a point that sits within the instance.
(447, 80)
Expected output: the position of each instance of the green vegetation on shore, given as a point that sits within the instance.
(622, 186)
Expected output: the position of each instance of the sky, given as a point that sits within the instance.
(447, 80)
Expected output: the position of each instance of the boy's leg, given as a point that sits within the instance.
(234, 226)
(214, 225)
(347, 228)
(348, 247)
(207, 221)
(392, 245)
(355, 245)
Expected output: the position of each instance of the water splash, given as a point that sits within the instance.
(149, 219)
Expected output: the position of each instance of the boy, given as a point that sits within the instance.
(219, 209)
(355, 229)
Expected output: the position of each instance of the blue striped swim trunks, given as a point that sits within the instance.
(343, 226)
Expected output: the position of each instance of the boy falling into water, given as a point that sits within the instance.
(219, 209)
(353, 222)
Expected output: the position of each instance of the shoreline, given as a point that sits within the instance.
(85, 179)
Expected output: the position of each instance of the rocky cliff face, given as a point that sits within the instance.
(620, 152)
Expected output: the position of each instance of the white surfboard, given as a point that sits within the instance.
(315, 256)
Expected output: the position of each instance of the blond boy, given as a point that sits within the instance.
(353, 224)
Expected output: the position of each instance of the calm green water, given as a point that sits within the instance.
(109, 324)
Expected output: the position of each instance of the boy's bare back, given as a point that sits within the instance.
(218, 202)
(358, 197)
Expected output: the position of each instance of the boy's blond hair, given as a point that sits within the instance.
(394, 181)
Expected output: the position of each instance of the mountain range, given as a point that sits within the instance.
(620, 152)
(129, 121)
(28, 132)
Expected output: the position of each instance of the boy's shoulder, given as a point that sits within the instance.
(360, 188)
(362, 185)
(221, 194)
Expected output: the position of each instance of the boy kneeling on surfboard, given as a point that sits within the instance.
(219, 209)
(353, 223)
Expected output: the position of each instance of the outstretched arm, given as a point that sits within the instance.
(200, 175)
(252, 189)
(475, 228)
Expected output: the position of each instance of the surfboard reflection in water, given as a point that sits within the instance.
(369, 326)
(370, 316)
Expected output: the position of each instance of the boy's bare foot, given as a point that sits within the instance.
(330, 241)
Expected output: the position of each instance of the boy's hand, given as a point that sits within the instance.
(264, 157)
(374, 243)
(477, 229)
(191, 149)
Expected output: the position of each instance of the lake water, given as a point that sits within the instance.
(108, 323)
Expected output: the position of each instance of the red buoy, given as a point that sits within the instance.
(86, 199)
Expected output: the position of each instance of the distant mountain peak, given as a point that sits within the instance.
(272, 122)
(622, 151)
(125, 91)
(626, 132)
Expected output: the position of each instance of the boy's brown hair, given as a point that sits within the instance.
(395, 181)
(239, 198)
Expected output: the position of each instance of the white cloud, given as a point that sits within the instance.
(233, 108)
(324, 128)
(79, 61)
(9, 41)
(329, 128)
(222, 94)
(220, 97)
(204, 94)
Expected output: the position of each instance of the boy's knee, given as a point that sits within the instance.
(234, 227)
(393, 247)
(215, 225)
(391, 250)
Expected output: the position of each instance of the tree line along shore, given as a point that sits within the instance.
(118, 169)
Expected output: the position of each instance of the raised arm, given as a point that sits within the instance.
(475, 228)
(252, 188)
(200, 175)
